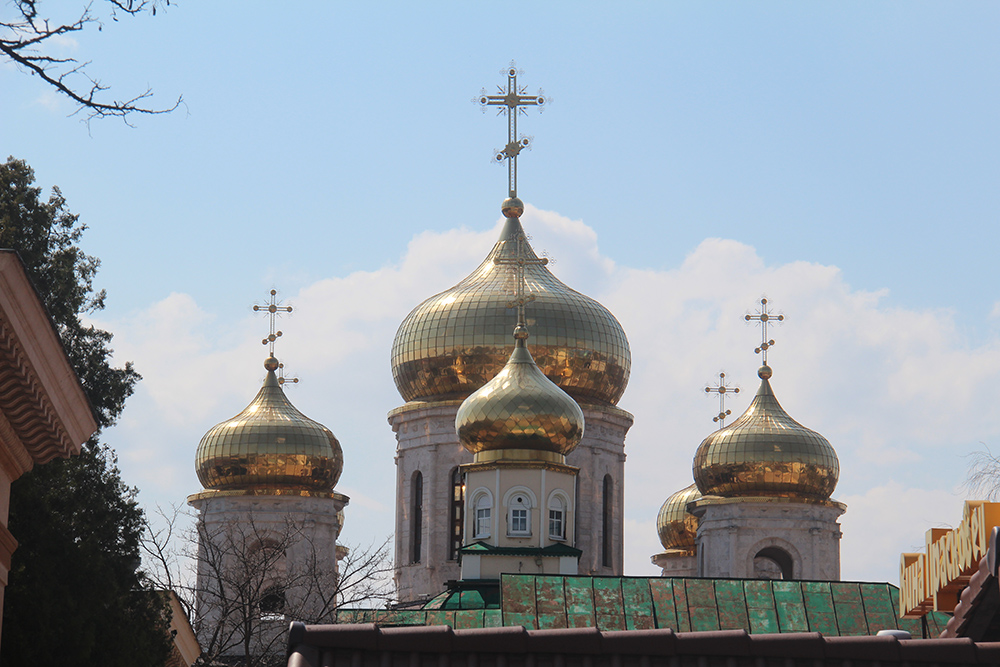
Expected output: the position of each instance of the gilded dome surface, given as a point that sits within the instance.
(519, 409)
(766, 453)
(676, 526)
(270, 445)
(456, 341)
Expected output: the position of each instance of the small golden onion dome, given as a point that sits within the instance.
(520, 413)
(270, 445)
(766, 453)
(454, 342)
(676, 526)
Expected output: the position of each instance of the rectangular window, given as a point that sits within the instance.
(556, 525)
(519, 520)
(483, 522)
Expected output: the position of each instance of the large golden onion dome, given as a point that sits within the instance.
(456, 341)
(270, 446)
(520, 413)
(676, 526)
(766, 453)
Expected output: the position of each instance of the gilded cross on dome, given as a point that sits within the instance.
(519, 261)
(512, 102)
(764, 316)
(272, 310)
(281, 376)
(722, 388)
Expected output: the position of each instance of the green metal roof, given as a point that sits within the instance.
(838, 608)
(477, 548)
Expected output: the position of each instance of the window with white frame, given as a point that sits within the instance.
(519, 516)
(484, 515)
(557, 518)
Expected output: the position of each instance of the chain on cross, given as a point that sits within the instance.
(519, 261)
(722, 388)
(272, 310)
(764, 316)
(512, 102)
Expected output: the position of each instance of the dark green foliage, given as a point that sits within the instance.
(74, 596)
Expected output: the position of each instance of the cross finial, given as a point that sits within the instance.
(764, 316)
(512, 102)
(722, 388)
(272, 310)
(281, 376)
(519, 261)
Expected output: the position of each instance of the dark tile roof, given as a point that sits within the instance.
(369, 645)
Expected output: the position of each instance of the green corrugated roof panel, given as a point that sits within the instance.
(731, 599)
(492, 618)
(441, 618)
(790, 607)
(762, 615)
(638, 604)
(879, 612)
(468, 618)
(609, 606)
(661, 591)
(849, 609)
(517, 596)
(579, 592)
(550, 602)
(703, 610)
(819, 607)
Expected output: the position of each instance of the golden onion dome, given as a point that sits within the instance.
(766, 453)
(520, 413)
(269, 446)
(676, 526)
(454, 342)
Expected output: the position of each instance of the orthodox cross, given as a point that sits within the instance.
(722, 388)
(519, 261)
(764, 316)
(512, 102)
(281, 376)
(272, 310)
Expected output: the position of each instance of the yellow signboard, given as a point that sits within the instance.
(932, 581)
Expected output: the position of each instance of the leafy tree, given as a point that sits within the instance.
(25, 39)
(75, 594)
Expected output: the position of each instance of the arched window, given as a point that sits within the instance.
(457, 501)
(484, 515)
(772, 563)
(519, 516)
(416, 516)
(557, 518)
(607, 519)
(272, 604)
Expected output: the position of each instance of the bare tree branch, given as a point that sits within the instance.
(983, 480)
(22, 40)
(250, 579)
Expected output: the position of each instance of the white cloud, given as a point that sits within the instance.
(897, 392)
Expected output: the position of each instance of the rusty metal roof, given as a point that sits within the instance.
(758, 606)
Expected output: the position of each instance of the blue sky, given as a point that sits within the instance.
(841, 158)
